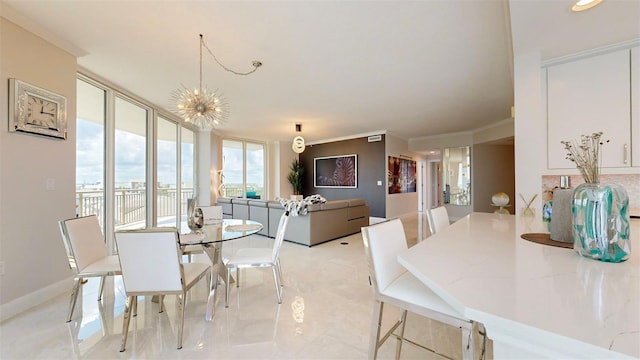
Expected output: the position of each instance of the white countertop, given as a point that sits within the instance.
(542, 298)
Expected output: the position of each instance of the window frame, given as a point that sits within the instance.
(152, 114)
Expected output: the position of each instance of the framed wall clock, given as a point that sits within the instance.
(36, 110)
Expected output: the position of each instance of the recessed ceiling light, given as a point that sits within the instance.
(582, 5)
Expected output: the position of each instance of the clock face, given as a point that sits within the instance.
(41, 112)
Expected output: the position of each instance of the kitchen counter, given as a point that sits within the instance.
(535, 301)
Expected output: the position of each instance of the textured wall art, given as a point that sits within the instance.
(401, 175)
(336, 171)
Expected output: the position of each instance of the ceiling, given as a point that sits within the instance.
(410, 68)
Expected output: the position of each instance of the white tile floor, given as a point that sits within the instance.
(325, 314)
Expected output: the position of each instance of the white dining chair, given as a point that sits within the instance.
(438, 219)
(87, 254)
(151, 265)
(254, 257)
(394, 285)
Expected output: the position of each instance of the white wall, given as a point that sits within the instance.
(398, 205)
(530, 129)
(280, 158)
(209, 162)
(36, 265)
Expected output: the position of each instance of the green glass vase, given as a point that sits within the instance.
(601, 222)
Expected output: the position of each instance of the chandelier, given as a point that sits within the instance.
(201, 106)
(298, 141)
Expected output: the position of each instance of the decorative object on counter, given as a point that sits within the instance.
(547, 210)
(501, 200)
(560, 226)
(528, 210)
(600, 211)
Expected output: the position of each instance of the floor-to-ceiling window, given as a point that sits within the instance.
(187, 169)
(243, 165)
(134, 168)
(167, 172)
(130, 170)
(90, 140)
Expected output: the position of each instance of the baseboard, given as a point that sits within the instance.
(23, 303)
(375, 220)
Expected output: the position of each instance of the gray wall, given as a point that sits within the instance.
(371, 167)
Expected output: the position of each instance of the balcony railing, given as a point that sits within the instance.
(130, 204)
(235, 190)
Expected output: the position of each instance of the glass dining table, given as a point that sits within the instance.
(211, 237)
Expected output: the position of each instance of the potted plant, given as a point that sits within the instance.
(295, 178)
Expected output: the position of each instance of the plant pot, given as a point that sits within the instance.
(296, 197)
(601, 222)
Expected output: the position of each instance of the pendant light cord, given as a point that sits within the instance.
(201, 43)
(256, 64)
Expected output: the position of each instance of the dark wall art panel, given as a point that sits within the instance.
(401, 175)
(336, 171)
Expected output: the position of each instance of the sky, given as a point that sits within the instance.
(232, 166)
(130, 157)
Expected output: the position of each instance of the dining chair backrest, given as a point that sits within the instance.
(83, 241)
(211, 214)
(382, 243)
(150, 260)
(282, 228)
(438, 219)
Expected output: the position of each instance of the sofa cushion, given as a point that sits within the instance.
(240, 208)
(274, 204)
(356, 202)
(259, 203)
(334, 204)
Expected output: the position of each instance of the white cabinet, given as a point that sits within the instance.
(586, 96)
(635, 106)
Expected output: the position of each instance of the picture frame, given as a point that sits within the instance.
(401, 175)
(339, 171)
(35, 110)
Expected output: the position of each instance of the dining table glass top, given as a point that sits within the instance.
(219, 231)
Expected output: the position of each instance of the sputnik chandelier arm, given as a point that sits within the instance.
(202, 107)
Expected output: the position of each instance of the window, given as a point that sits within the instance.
(116, 139)
(130, 149)
(243, 165)
(167, 173)
(187, 170)
(90, 150)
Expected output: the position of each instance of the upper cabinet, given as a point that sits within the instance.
(590, 95)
